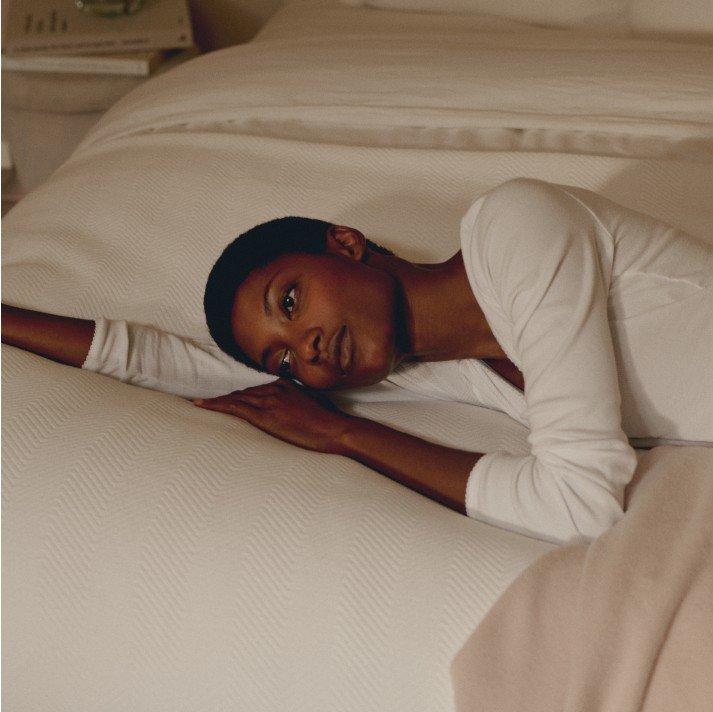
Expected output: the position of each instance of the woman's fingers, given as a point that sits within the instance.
(285, 410)
(234, 405)
(263, 388)
(261, 396)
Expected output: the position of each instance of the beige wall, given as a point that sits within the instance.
(221, 23)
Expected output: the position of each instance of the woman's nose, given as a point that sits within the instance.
(311, 346)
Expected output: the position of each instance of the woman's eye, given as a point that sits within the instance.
(288, 301)
(285, 364)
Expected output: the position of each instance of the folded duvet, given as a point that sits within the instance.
(323, 72)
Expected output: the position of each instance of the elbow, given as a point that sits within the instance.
(591, 510)
(549, 498)
(601, 516)
(592, 495)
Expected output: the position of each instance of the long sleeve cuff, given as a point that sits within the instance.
(488, 492)
(109, 348)
(520, 494)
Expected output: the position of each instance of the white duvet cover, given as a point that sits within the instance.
(320, 71)
(160, 557)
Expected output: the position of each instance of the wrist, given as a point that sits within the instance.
(350, 429)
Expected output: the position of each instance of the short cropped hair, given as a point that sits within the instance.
(251, 250)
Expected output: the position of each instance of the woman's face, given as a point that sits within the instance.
(327, 320)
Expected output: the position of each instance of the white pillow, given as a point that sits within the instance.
(672, 16)
(557, 13)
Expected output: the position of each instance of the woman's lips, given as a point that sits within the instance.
(345, 350)
(341, 351)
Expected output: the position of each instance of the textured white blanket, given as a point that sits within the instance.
(158, 557)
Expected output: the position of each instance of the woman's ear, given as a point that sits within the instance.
(346, 241)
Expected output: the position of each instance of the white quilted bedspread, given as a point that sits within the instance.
(160, 557)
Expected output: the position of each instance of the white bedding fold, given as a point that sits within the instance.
(463, 84)
(97, 233)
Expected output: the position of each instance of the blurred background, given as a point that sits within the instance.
(45, 114)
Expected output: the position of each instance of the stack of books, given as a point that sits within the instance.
(56, 36)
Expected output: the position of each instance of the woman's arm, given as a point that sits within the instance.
(307, 419)
(132, 353)
(436, 471)
(541, 264)
(60, 338)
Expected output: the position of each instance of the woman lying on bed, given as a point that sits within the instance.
(591, 309)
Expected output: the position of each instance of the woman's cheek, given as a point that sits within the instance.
(318, 380)
(370, 372)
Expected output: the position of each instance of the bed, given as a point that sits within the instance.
(161, 557)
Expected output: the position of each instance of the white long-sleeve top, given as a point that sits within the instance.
(607, 312)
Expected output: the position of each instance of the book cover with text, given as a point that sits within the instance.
(59, 27)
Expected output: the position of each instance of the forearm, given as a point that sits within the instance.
(60, 338)
(438, 472)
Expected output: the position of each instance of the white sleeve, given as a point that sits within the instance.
(537, 251)
(148, 357)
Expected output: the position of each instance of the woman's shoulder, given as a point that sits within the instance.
(522, 219)
(520, 200)
(524, 188)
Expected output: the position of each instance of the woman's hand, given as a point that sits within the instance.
(288, 412)
(306, 418)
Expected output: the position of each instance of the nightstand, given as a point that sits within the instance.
(45, 117)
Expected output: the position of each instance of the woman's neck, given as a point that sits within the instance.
(443, 320)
